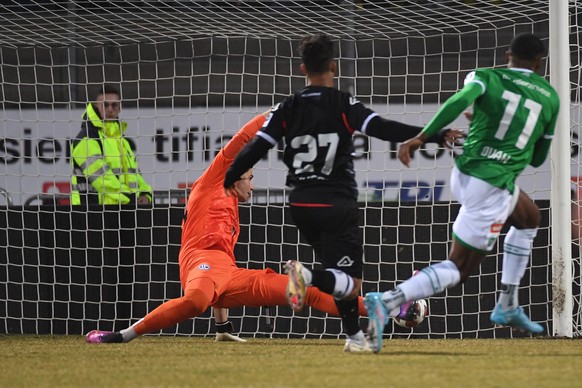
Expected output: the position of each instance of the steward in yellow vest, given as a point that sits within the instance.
(105, 169)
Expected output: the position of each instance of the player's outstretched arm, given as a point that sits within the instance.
(246, 159)
(406, 149)
(395, 131)
(243, 136)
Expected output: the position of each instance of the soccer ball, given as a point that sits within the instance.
(421, 312)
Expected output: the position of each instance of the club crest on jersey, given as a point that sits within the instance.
(345, 262)
(204, 267)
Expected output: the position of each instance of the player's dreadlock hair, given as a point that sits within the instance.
(527, 47)
(316, 52)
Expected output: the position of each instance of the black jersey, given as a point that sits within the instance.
(317, 124)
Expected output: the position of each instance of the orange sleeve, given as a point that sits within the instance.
(210, 212)
(215, 173)
(246, 133)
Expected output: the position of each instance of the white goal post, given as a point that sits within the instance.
(560, 156)
(190, 74)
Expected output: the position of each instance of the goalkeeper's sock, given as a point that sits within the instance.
(129, 333)
(430, 281)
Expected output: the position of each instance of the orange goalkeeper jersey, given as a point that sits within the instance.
(211, 220)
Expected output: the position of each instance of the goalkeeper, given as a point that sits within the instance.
(208, 271)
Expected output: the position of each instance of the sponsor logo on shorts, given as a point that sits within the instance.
(204, 267)
(496, 228)
(345, 262)
(494, 231)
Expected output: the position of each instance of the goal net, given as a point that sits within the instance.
(190, 74)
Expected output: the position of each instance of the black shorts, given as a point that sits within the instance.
(334, 233)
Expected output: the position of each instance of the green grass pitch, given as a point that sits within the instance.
(152, 361)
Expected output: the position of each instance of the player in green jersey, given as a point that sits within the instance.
(513, 120)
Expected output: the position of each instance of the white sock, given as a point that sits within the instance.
(358, 337)
(129, 333)
(307, 276)
(508, 297)
(344, 283)
(430, 281)
(516, 252)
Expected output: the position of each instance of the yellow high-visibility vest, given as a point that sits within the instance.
(105, 169)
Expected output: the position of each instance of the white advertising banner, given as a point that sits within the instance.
(174, 146)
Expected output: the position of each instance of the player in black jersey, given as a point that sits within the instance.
(318, 123)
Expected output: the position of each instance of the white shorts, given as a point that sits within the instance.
(484, 210)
